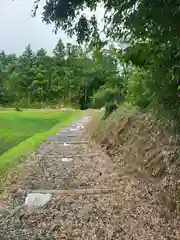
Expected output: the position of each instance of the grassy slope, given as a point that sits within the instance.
(146, 148)
(36, 128)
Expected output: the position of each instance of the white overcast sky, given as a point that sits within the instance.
(18, 28)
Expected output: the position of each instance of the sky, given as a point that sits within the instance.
(18, 28)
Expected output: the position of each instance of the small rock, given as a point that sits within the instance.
(66, 159)
(80, 126)
(67, 144)
(37, 199)
(73, 129)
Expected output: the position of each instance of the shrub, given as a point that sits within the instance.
(138, 90)
(106, 95)
(110, 108)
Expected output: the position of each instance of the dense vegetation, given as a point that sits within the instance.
(150, 30)
(71, 76)
(146, 72)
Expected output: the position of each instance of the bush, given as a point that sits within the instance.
(18, 109)
(110, 108)
(138, 91)
(143, 90)
(106, 95)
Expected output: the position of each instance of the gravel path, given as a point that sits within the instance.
(43, 170)
(132, 213)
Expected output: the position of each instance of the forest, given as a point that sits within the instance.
(144, 73)
(72, 76)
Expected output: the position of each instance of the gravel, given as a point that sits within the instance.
(39, 172)
(131, 213)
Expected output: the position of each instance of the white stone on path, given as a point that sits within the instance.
(66, 159)
(74, 129)
(77, 126)
(67, 144)
(37, 199)
(80, 126)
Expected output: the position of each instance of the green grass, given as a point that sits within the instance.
(22, 132)
(16, 127)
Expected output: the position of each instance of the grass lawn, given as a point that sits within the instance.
(22, 132)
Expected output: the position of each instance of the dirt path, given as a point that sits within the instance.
(99, 213)
(48, 168)
(74, 214)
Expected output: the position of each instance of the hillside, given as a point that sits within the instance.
(146, 159)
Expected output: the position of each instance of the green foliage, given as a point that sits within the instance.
(110, 108)
(156, 20)
(71, 76)
(105, 95)
(151, 31)
(138, 91)
(18, 109)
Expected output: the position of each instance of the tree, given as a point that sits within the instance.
(59, 50)
(71, 76)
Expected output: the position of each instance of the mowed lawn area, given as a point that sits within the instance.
(16, 127)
